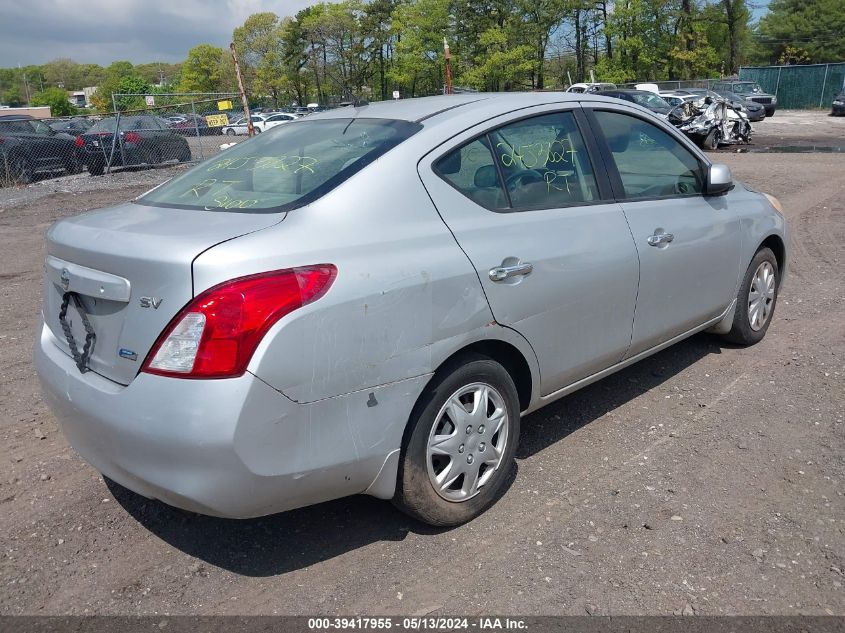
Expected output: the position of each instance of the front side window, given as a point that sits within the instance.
(651, 163)
(287, 167)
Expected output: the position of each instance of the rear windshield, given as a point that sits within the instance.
(283, 168)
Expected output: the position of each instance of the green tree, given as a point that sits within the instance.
(57, 99)
(816, 28)
(202, 71)
(418, 67)
(12, 97)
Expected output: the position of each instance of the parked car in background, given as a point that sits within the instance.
(274, 330)
(276, 119)
(29, 147)
(73, 126)
(755, 111)
(644, 98)
(751, 91)
(838, 107)
(676, 99)
(591, 87)
(239, 127)
(142, 140)
(192, 124)
(174, 118)
(702, 92)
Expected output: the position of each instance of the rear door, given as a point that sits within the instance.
(689, 244)
(554, 254)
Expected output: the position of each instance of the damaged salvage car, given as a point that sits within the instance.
(712, 122)
(369, 299)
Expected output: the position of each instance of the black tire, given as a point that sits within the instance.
(257, 130)
(742, 332)
(185, 154)
(230, 132)
(73, 165)
(415, 492)
(711, 141)
(96, 168)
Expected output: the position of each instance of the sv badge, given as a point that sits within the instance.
(150, 302)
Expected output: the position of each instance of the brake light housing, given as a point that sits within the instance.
(79, 142)
(217, 333)
(132, 137)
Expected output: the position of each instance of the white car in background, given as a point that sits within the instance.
(277, 119)
(239, 127)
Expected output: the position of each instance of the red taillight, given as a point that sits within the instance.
(216, 334)
(79, 142)
(132, 137)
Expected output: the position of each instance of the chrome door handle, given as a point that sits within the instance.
(500, 273)
(660, 238)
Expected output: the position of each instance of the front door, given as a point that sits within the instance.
(688, 242)
(554, 254)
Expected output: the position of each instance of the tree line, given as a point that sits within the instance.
(368, 48)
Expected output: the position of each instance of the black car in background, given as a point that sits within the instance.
(750, 90)
(641, 97)
(29, 147)
(839, 104)
(74, 126)
(141, 140)
(755, 111)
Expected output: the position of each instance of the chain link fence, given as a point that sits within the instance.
(804, 86)
(145, 131)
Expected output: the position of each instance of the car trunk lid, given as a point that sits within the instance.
(129, 271)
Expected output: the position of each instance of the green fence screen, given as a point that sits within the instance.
(811, 86)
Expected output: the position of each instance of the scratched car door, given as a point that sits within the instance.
(525, 200)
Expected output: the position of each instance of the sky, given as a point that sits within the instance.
(103, 31)
(140, 31)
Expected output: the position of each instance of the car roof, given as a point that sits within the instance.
(16, 117)
(449, 112)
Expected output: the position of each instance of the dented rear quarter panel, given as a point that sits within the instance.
(405, 297)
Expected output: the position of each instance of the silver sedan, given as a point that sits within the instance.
(368, 300)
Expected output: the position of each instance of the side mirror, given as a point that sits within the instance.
(719, 179)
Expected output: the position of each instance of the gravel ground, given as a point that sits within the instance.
(707, 479)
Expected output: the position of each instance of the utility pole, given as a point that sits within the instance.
(250, 130)
(448, 56)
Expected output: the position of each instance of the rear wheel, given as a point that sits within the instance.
(96, 168)
(756, 299)
(460, 443)
(184, 154)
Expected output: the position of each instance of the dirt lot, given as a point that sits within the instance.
(707, 479)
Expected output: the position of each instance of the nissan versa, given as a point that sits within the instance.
(367, 300)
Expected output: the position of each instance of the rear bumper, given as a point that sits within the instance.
(838, 110)
(233, 448)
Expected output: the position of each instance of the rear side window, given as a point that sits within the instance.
(284, 168)
(472, 171)
(651, 163)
